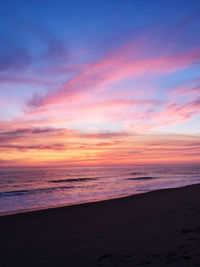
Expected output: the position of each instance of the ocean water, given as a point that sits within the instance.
(23, 189)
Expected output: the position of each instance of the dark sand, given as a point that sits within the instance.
(160, 228)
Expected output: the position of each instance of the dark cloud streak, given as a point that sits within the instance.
(24, 148)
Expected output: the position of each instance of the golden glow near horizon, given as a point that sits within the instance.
(102, 150)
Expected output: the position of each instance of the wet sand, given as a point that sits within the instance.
(159, 228)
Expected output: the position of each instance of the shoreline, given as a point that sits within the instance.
(156, 228)
(35, 210)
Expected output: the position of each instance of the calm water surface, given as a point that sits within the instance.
(37, 188)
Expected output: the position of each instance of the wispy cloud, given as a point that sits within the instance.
(191, 87)
(112, 69)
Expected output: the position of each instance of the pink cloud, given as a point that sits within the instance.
(175, 112)
(118, 66)
(192, 87)
(86, 98)
(170, 113)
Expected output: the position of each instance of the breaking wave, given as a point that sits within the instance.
(33, 191)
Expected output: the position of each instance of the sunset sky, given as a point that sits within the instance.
(99, 82)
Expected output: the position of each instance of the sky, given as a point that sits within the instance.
(99, 82)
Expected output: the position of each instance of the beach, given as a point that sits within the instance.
(158, 228)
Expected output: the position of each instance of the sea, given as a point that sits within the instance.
(36, 188)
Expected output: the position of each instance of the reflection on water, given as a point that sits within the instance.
(36, 188)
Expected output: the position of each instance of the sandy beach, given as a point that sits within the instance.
(159, 228)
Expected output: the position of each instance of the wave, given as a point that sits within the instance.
(72, 180)
(33, 191)
(142, 178)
